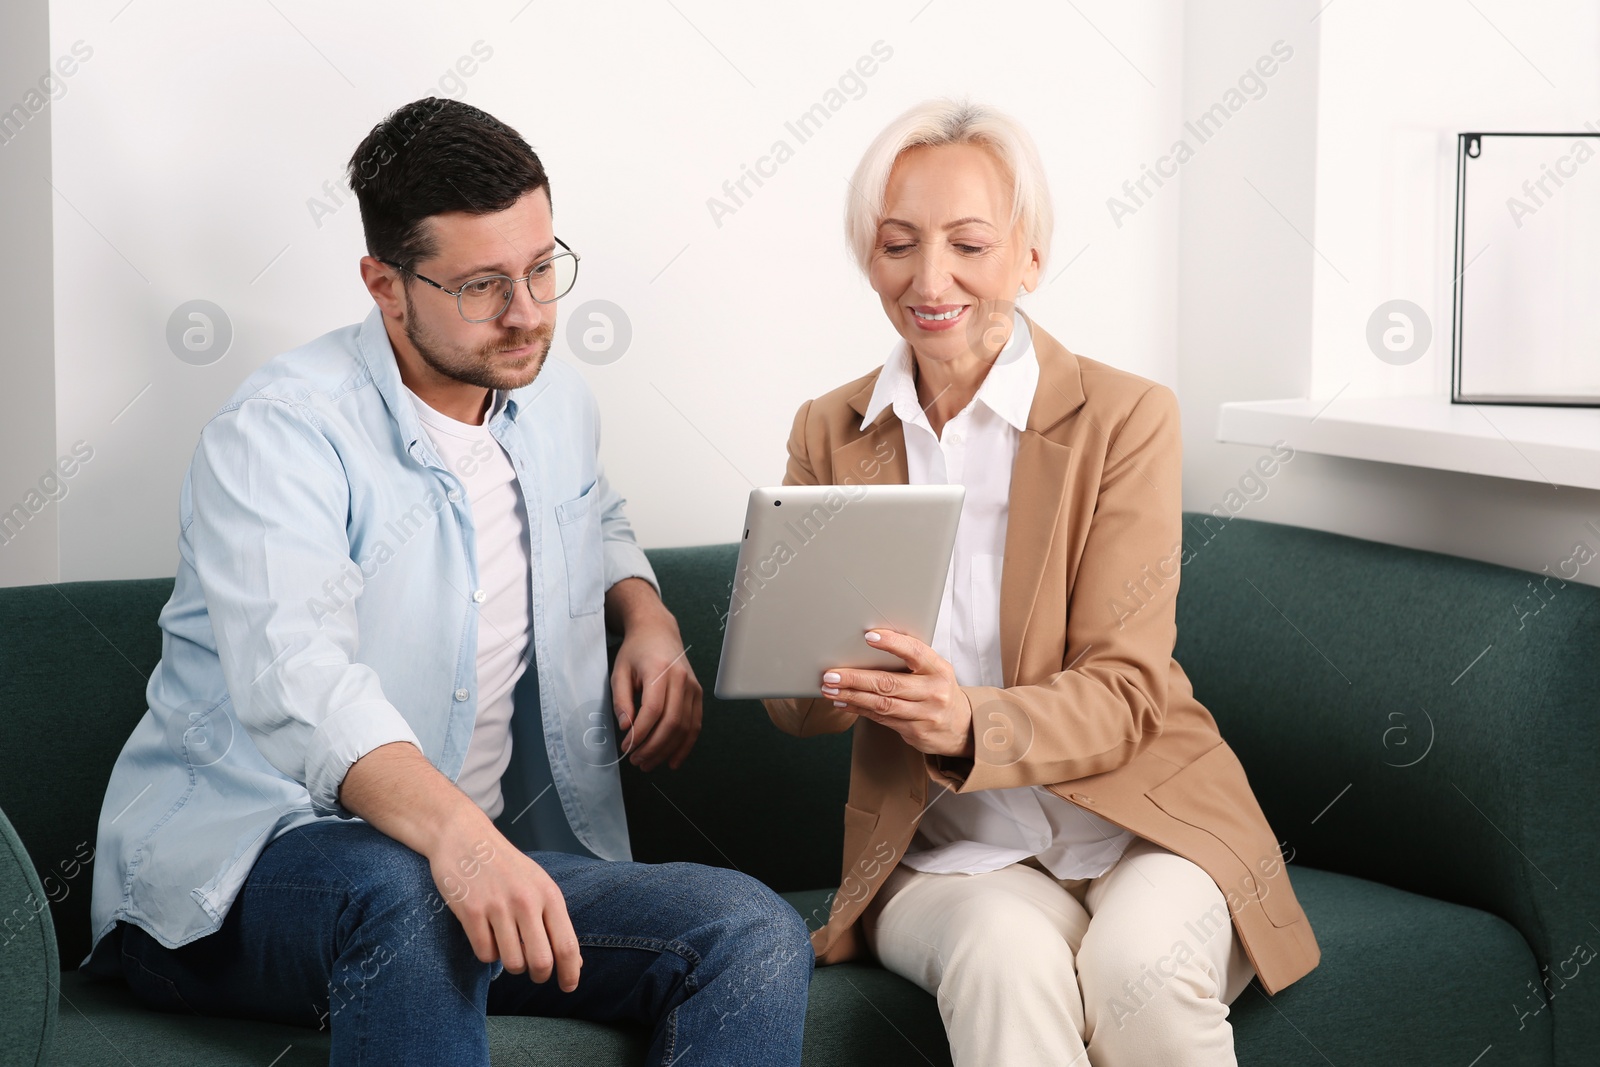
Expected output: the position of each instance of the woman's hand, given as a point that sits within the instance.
(926, 707)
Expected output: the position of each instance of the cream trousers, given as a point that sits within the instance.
(1131, 969)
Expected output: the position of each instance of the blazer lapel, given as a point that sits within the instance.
(858, 458)
(1040, 480)
(1045, 466)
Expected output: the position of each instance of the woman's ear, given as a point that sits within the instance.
(1030, 272)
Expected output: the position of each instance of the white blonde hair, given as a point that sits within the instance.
(944, 122)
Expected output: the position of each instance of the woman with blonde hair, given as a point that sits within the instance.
(1045, 828)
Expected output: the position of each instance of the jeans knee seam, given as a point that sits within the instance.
(652, 944)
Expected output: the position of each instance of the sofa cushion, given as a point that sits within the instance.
(1413, 979)
(104, 1023)
(1404, 979)
(858, 1014)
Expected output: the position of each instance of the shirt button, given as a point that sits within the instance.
(955, 439)
(462, 694)
(454, 496)
(478, 595)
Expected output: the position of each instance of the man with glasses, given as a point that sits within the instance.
(376, 788)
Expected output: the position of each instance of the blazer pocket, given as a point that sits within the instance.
(579, 523)
(858, 826)
(862, 863)
(1212, 794)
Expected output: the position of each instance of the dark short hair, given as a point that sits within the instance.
(431, 156)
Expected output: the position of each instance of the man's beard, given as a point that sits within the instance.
(482, 367)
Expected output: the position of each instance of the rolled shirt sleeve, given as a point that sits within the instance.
(270, 502)
(623, 556)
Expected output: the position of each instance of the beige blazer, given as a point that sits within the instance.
(1094, 706)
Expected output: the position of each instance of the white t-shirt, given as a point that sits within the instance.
(500, 524)
(985, 830)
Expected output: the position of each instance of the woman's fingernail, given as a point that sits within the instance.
(831, 690)
(840, 704)
(832, 677)
(873, 636)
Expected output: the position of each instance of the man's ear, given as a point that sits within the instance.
(386, 286)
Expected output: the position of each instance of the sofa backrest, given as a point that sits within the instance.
(1404, 716)
(748, 796)
(74, 660)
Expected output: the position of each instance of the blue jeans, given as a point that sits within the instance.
(340, 925)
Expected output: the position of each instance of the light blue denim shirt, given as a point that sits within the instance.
(324, 607)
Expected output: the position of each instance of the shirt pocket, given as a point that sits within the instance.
(579, 523)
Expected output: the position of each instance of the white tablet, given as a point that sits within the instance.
(819, 566)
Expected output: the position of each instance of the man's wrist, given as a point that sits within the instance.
(464, 822)
(402, 794)
(632, 603)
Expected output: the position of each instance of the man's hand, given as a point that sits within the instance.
(664, 724)
(926, 707)
(510, 908)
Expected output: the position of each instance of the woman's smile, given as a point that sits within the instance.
(939, 316)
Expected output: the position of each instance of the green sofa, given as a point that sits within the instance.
(1421, 730)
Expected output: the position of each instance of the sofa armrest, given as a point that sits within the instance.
(30, 973)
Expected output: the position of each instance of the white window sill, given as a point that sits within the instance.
(1558, 445)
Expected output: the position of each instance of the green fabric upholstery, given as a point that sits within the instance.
(1325, 659)
(74, 660)
(1442, 892)
(857, 1015)
(29, 969)
(748, 797)
(1404, 979)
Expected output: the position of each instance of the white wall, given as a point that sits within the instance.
(187, 148)
(1334, 193)
(193, 139)
(1397, 83)
(1244, 306)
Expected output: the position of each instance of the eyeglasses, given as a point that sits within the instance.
(486, 299)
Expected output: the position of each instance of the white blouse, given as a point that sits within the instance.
(983, 831)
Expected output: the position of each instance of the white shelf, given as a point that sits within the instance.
(1557, 445)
